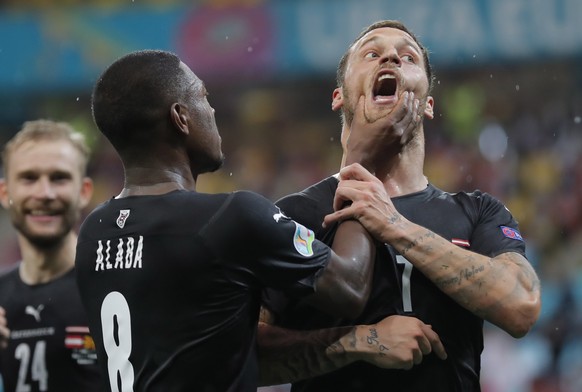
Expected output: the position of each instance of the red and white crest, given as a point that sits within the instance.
(123, 215)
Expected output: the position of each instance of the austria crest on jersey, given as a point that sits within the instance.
(303, 240)
(123, 215)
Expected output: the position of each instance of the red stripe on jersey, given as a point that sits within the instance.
(460, 242)
(77, 329)
(73, 341)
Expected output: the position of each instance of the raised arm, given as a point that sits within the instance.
(503, 290)
(397, 342)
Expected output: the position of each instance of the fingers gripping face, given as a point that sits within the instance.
(388, 127)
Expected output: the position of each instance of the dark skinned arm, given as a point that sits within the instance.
(344, 286)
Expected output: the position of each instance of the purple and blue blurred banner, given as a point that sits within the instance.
(66, 49)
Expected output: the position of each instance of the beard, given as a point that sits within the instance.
(347, 108)
(46, 240)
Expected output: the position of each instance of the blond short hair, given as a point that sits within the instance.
(47, 130)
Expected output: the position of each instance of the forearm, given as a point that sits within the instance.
(503, 290)
(287, 355)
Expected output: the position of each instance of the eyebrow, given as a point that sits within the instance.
(403, 41)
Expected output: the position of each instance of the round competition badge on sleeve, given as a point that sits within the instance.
(303, 240)
(511, 233)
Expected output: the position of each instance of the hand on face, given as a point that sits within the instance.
(362, 196)
(397, 342)
(374, 134)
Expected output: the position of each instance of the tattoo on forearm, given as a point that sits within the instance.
(465, 274)
(395, 219)
(428, 248)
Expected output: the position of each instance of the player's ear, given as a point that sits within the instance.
(4, 198)
(86, 192)
(429, 107)
(179, 117)
(337, 99)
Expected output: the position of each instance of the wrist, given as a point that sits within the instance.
(344, 351)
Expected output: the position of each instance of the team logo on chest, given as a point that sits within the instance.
(123, 215)
(34, 312)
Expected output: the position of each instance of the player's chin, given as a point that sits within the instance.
(46, 240)
(216, 163)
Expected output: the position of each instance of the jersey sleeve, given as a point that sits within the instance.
(310, 206)
(252, 234)
(496, 231)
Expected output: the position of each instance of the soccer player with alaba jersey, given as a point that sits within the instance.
(171, 278)
(173, 284)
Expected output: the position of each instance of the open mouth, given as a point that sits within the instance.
(385, 86)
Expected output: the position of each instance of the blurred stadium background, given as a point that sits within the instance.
(508, 116)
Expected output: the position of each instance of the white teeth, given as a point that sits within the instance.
(39, 212)
(386, 76)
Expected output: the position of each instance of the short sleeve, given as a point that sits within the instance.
(496, 231)
(252, 234)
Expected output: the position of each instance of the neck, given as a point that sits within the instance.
(41, 265)
(141, 181)
(401, 170)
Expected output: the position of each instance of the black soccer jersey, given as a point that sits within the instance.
(475, 221)
(172, 284)
(50, 348)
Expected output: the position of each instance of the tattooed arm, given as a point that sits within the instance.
(397, 342)
(503, 290)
